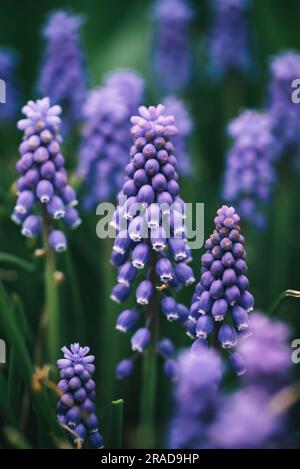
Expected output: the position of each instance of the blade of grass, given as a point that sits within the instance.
(5, 405)
(8, 258)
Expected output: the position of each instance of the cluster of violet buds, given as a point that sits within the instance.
(44, 195)
(284, 69)
(255, 416)
(63, 76)
(197, 399)
(106, 135)
(229, 41)
(177, 108)
(76, 408)
(150, 247)
(11, 92)
(222, 293)
(251, 165)
(172, 45)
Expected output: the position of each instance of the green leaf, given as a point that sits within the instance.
(8, 258)
(5, 407)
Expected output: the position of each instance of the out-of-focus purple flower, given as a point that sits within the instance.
(177, 108)
(266, 353)
(9, 102)
(76, 408)
(250, 169)
(172, 44)
(150, 211)
(63, 75)
(246, 420)
(284, 69)
(229, 41)
(106, 135)
(196, 398)
(43, 190)
(222, 294)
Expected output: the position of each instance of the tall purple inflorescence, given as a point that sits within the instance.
(251, 164)
(76, 408)
(172, 45)
(9, 94)
(229, 41)
(106, 137)
(266, 353)
(150, 247)
(284, 69)
(63, 76)
(222, 293)
(196, 397)
(255, 416)
(184, 123)
(44, 195)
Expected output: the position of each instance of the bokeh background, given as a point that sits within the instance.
(118, 34)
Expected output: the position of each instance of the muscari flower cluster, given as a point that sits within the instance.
(176, 107)
(284, 69)
(63, 75)
(251, 165)
(205, 417)
(222, 293)
(150, 247)
(249, 418)
(172, 46)
(8, 73)
(229, 41)
(44, 195)
(196, 397)
(106, 135)
(76, 408)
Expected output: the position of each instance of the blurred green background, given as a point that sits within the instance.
(118, 34)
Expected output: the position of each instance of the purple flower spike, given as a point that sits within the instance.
(229, 38)
(106, 136)
(43, 193)
(251, 165)
(172, 43)
(150, 249)
(284, 112)
(184, 124)
(8, 73)
(63, 75)
(196, 397)
(75, 407)
(222, 293)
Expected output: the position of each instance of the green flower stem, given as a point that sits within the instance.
(116, 430)
(282, 297)
(147, 429)
(52, 300)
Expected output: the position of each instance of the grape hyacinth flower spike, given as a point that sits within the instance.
(251, 165)
(177, 108)
(10, 93)
(63, 76)
(150, 257)
(222, 300)
(76, 408)
(44, 195)
(106, 135)
(229, 38)
(285, 114)
(172, 60)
